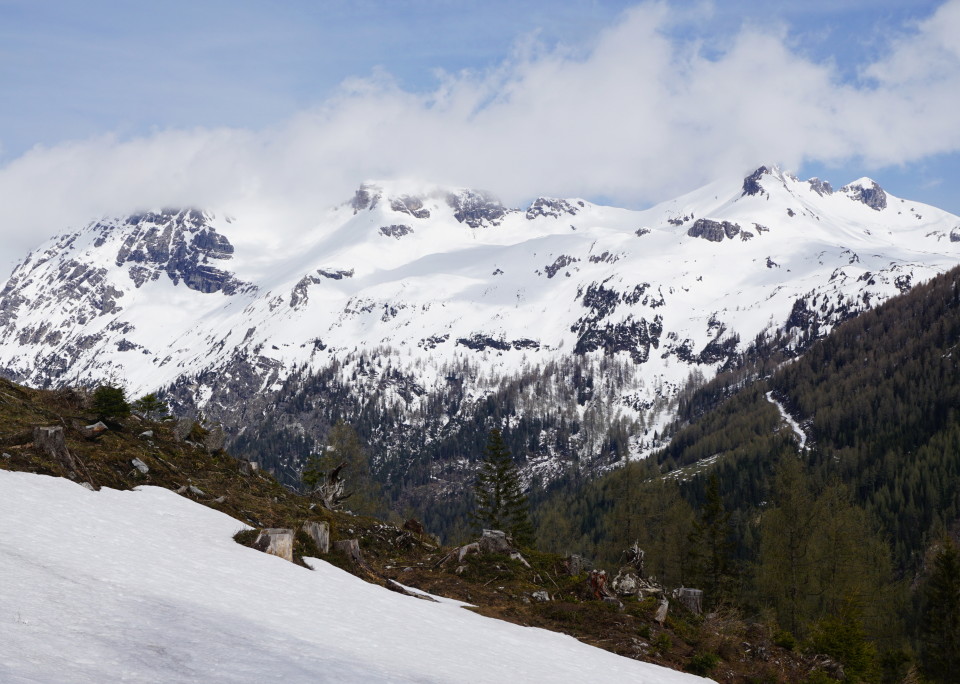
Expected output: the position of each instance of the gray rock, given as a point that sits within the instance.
(146, 434)
(873, 196)
(195, 491)
(140, 465)
(476, 209)
(662, 609)
(6, 455)
(713, 231)
(540, 596)
(495, 541)
(95, 430)
(87, 485)
(751, 184)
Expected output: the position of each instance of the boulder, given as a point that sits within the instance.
(495, 541)
(540, 596)
(146, 434)
(95, 430)
(140, 465)
(662, 609)
(276, 541)
(319, 532)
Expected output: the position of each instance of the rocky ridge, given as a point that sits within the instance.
(420, 307)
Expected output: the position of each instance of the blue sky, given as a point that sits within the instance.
(835, 89)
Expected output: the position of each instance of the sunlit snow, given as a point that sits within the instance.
(147, 586)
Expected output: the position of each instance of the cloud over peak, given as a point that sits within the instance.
(644, 112)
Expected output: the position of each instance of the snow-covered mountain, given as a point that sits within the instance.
(148, 586)
(407, 293)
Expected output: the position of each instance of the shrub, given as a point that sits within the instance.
(702, 664)
(110, 402)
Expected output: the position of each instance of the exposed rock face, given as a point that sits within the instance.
(873, 195)
(476, 209)
(410, 205)
(366, 197)
(177, 242)
(553, 208)
(751, 184)
(396, 230)
(821, 187)
(714, 231)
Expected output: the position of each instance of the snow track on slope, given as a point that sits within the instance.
(794, 425)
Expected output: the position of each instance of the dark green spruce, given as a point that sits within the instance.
(501, 503)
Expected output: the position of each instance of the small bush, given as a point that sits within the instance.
(246, 537)
(663, 643)
(785, 639)
(703, 664)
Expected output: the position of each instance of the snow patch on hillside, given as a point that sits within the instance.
(147, 586)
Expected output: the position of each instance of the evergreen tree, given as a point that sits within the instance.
(501, 503)
(151, 406)
(940, 621)
(110, 402)
(712, 546)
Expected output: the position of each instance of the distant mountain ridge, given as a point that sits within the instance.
(414, 304)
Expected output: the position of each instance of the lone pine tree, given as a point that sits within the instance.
(501, 502)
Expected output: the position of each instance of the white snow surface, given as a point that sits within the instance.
(788, 419)
(430, 297)
(147, 586)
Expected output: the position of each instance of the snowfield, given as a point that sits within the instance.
(147, 586)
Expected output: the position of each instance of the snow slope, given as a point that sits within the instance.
(147, 586)
(411, 294)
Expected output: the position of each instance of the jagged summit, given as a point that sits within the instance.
(867, 191)
(432, 280)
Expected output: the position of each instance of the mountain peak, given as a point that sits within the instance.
(868, 191)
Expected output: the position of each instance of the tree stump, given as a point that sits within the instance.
(319, 532)
(51, 441)
(351, 549)
(277, 542)
(692, 599)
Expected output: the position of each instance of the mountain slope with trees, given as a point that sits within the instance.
(831, 536)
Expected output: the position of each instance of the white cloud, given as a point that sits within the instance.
(637, 117)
